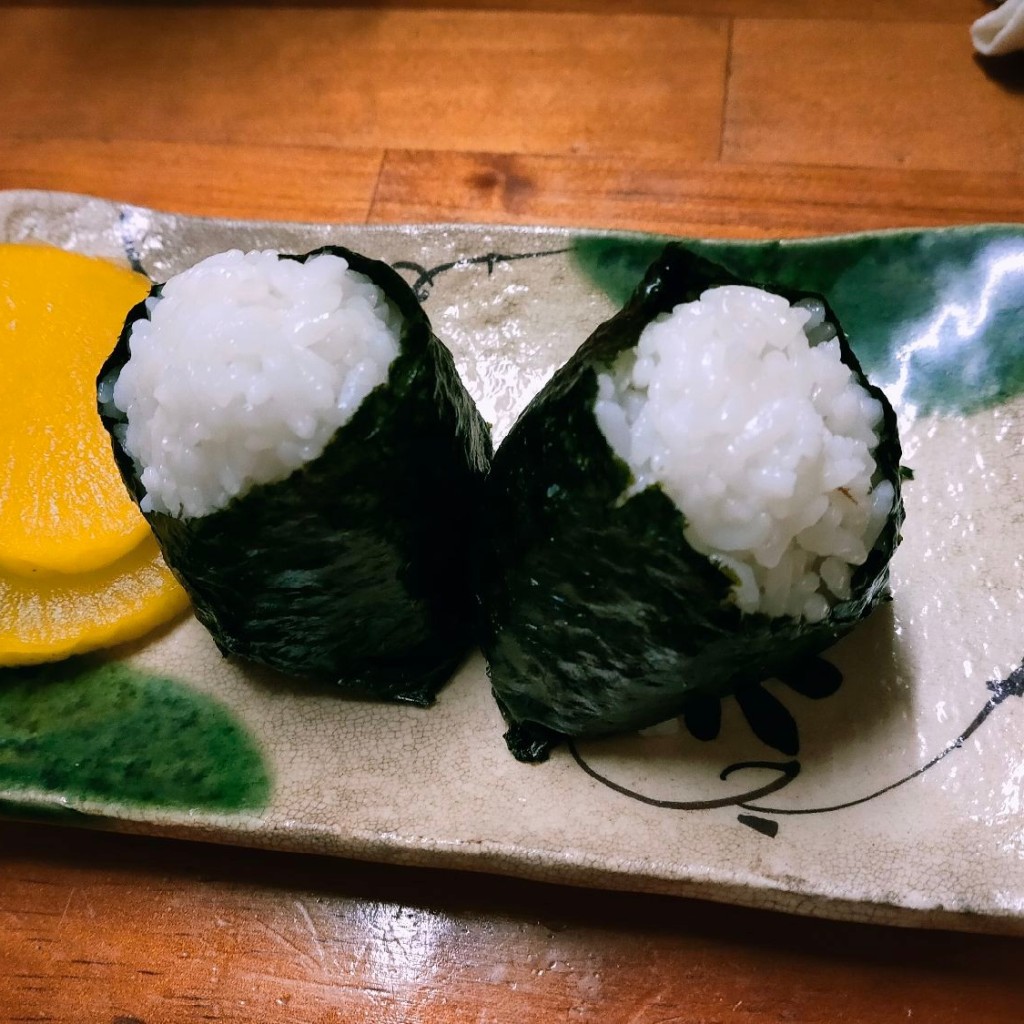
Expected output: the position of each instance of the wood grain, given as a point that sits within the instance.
(241, 936)
(866, 95)
(952, 11)
(365, 78)
(216, 180)
(712, 199)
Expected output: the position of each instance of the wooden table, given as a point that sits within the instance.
(719, 117)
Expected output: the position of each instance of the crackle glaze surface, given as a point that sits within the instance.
(905, 801)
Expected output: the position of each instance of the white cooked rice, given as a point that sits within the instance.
(246, 367)
(762, 439)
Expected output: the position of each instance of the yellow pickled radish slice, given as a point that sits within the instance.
(63, 507)
(56, 616)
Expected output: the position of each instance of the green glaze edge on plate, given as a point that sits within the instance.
(915, 304)
(104, 731)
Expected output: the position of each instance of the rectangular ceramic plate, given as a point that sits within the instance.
(903, 801)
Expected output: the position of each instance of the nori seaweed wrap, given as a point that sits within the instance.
(355, 568)
(598, 616)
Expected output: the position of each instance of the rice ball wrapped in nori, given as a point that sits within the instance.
(707, 492)
(310, 463)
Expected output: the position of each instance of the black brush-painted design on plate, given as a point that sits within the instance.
(750, 801)
(768, 718)
(425, 277)
(128, 243)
